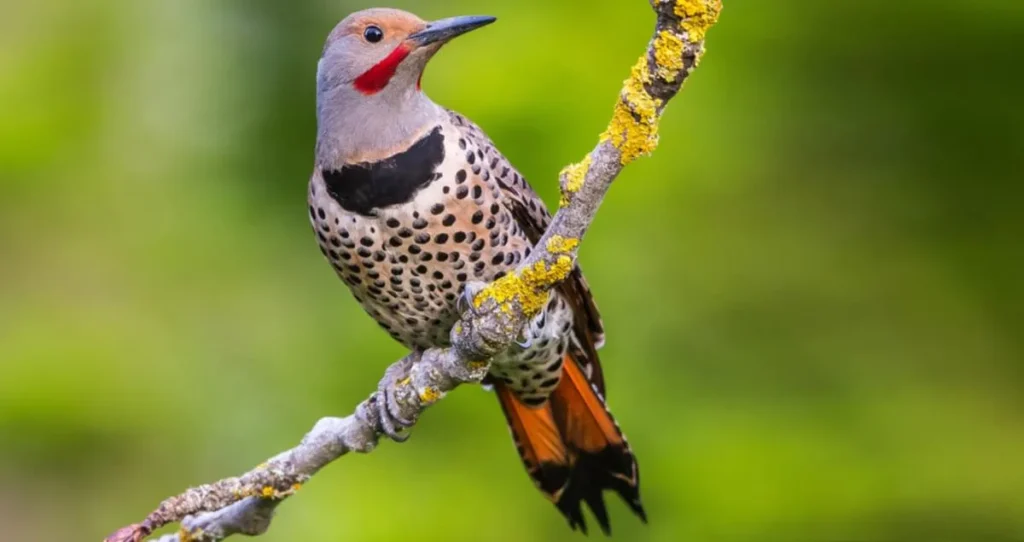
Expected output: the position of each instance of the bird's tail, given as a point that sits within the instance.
(573, 449)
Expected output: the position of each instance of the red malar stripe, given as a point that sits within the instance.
(377, 77)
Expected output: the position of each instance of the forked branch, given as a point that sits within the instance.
(245, 504)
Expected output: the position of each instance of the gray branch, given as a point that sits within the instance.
(492, 320)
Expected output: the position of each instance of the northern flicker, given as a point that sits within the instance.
(410, 202)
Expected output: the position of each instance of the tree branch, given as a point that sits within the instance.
(245, 504)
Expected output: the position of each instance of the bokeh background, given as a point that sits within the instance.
(813, 290)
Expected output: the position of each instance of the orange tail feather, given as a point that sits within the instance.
(573, 449)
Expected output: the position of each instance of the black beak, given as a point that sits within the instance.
(446, 29)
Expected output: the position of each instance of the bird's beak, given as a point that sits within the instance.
(446, 29)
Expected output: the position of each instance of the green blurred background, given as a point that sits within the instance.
(813, 290)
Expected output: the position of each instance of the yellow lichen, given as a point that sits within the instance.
(477, 365)
(562, 245)
(429, 395)
(697, 16)
(574, 175)
(185, 535)
(634, 126)
(267, 492)
(530, 287)
(668, 55)
(405, 381)
(296, 487)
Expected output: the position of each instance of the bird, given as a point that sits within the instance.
(412, 203)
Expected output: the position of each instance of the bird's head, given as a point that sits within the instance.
(377, 49)
(368, 97)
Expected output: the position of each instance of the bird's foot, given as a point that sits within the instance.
(392, 422)
(469, 291)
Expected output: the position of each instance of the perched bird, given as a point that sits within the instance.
(410, 202)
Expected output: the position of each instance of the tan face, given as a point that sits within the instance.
(369, 48)
(364, 40)
(369, 77)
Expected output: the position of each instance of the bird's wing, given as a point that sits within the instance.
(533, 217)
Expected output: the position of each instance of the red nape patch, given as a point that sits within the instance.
(376, 78)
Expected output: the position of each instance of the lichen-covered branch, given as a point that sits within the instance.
(245, 504)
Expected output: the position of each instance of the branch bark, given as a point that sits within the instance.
(245, 504)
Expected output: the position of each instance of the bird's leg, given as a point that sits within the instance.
(392, 422)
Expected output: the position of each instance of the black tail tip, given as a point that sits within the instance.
(610, 469)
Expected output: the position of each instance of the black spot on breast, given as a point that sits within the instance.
(549, 382)
(361, 188)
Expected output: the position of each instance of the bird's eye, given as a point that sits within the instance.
(373, 34)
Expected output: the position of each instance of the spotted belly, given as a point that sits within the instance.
(408, 269)
(407, 262)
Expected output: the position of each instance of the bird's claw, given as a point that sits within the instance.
(392, 423)
(469, 291)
